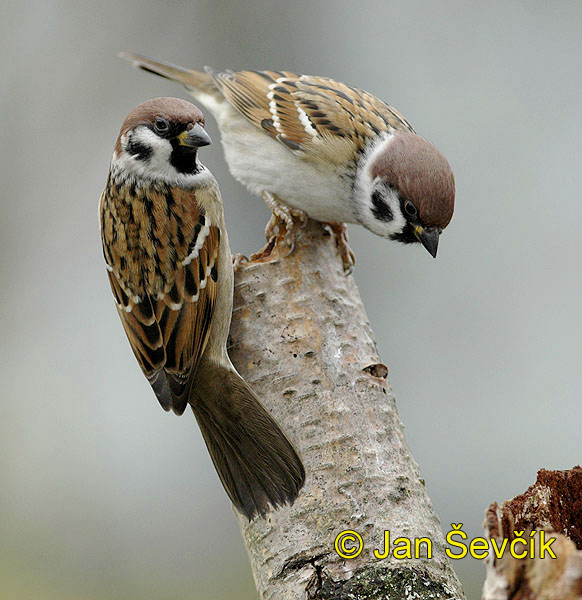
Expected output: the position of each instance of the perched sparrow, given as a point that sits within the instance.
(170, 269)
(317, 146)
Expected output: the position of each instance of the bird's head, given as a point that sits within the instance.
(405, 190)
(159, 139)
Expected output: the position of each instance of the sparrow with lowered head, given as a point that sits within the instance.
(170, 269)
(312, 145)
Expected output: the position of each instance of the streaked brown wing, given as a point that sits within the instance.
(168, 330)
(248, 92)
(141, 327)
(301, 111)
(337, 109)
(185, 330)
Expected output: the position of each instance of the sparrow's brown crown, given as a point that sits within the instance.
(172, 109)
(421, 174)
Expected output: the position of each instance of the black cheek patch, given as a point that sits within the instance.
(138, 149)
(380, 209)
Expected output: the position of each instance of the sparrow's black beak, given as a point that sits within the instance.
(429, 238)
(195, 137)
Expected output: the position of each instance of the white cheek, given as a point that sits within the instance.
(161, 148)
(364, 188)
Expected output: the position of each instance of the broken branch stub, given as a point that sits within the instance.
(552, 505)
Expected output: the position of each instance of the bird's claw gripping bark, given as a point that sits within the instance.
(237, 260)
(282, 226)
(342, 242)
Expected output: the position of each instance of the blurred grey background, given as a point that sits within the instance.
(104, 496)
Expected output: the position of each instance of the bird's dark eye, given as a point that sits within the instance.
(410, 209)
(161, 125)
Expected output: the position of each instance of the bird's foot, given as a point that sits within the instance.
(283, 224)
(342, 242)
(237, 260)
(264, 254)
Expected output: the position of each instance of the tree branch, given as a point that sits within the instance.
(301, 338)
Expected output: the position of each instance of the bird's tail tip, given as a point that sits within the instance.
(256, 462)
(187, 77)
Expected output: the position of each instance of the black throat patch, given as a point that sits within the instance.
(183, 159)
(406, 236)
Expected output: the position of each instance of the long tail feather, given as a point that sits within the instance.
(191, 79)
(257, 464)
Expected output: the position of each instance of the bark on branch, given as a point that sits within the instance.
(301, 338)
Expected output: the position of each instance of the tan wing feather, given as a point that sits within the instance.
(141, 328)
(247, 91)
(337, 109)
(186, 333)
(315, 116)
(167, 322)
